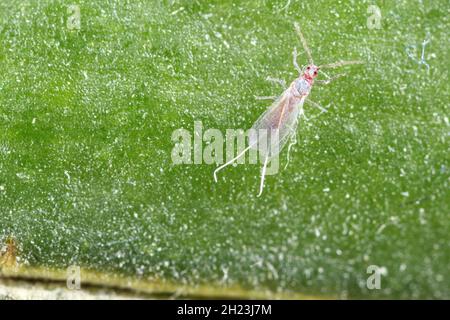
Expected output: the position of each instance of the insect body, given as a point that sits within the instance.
(275, 127)
(284, 113)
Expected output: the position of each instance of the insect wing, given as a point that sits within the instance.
(274, 127)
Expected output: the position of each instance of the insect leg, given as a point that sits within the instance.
(286, 7)
(295, 55)
(279, 81)
(294, 142)
(265, 97)
(302, 114)
(422, 58)
(263, 174)
(325, 74)
(316, 105)
(231, 161)
(330, 79)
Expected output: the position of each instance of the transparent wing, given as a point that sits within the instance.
(274, 127)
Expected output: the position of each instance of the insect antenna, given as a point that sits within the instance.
(303, 41)
(340, 64)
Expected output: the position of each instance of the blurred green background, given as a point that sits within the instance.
(86, 118)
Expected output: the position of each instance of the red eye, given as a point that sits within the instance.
(308, 68)
(315, 73)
